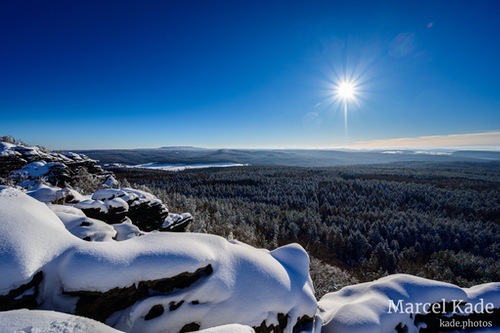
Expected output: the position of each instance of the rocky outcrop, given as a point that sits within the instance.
(24, 296)
(52, 177)
(100, 305)
(148, 216)
(28, 164)
(145, 210)
(176, 222)
(9, 163)
(160, 281)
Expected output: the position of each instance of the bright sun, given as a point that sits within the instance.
(346, 90)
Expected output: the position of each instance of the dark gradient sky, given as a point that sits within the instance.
(104, 74)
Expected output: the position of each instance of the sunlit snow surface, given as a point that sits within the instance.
(247, 285)
(39, 321)
(231, 328)
(43, 321)
(363, 308)
(180, 167)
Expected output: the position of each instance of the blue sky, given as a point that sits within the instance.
(248, 74)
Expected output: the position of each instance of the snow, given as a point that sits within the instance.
(126, 230)
(76, 157)
(6, 145)
(396, 152)
(98, 231)
(418, 152)
(240, 273)
(92, 204)
(142, 196)
(174, 218)
(117, 203)
(65, 211)
(39, 321)
(111, 182)
(43, 321)
(231, 328)
(435, 153)
(31, 235)
(44, 193)
(84, 227)
(127, 194)
(76, 195)
(12, 149)
(489, 292)
(39, 154)
(108, 194)
(47, 194)
(365, 307)
(7, 151)
(181, 167)
(254, 279)
(36, 169)
(247, 285)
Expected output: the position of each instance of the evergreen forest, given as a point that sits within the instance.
(357, 223)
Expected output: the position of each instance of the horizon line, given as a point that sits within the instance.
(485, 141)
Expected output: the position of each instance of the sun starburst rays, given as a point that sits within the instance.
(346, 90)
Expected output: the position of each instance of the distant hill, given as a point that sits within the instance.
(285, 157)
(181, 148)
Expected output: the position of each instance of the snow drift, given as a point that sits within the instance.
(153, 283)
(367, 307)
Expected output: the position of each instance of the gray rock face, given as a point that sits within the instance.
(148, 216)
(100, 305)
(25, 296)
(16, 161)
(177, 223)
(145, 210)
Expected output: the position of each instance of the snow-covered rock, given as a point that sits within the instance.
(144, 209)
(373, 307)
(154, 283)
(117, 210)
(58, 178)
(177, 222)
(36, 169)
(26, 165)
(54, 194)
(43, 321)
(31, 236)
(111, 182)
(84, 227)
(108, 194)
(96, 209)
(126, 230)
(7, 151)
(39, 321)
(231, 328)
(44, 193)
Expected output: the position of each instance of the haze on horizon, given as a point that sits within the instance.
(220, 74)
